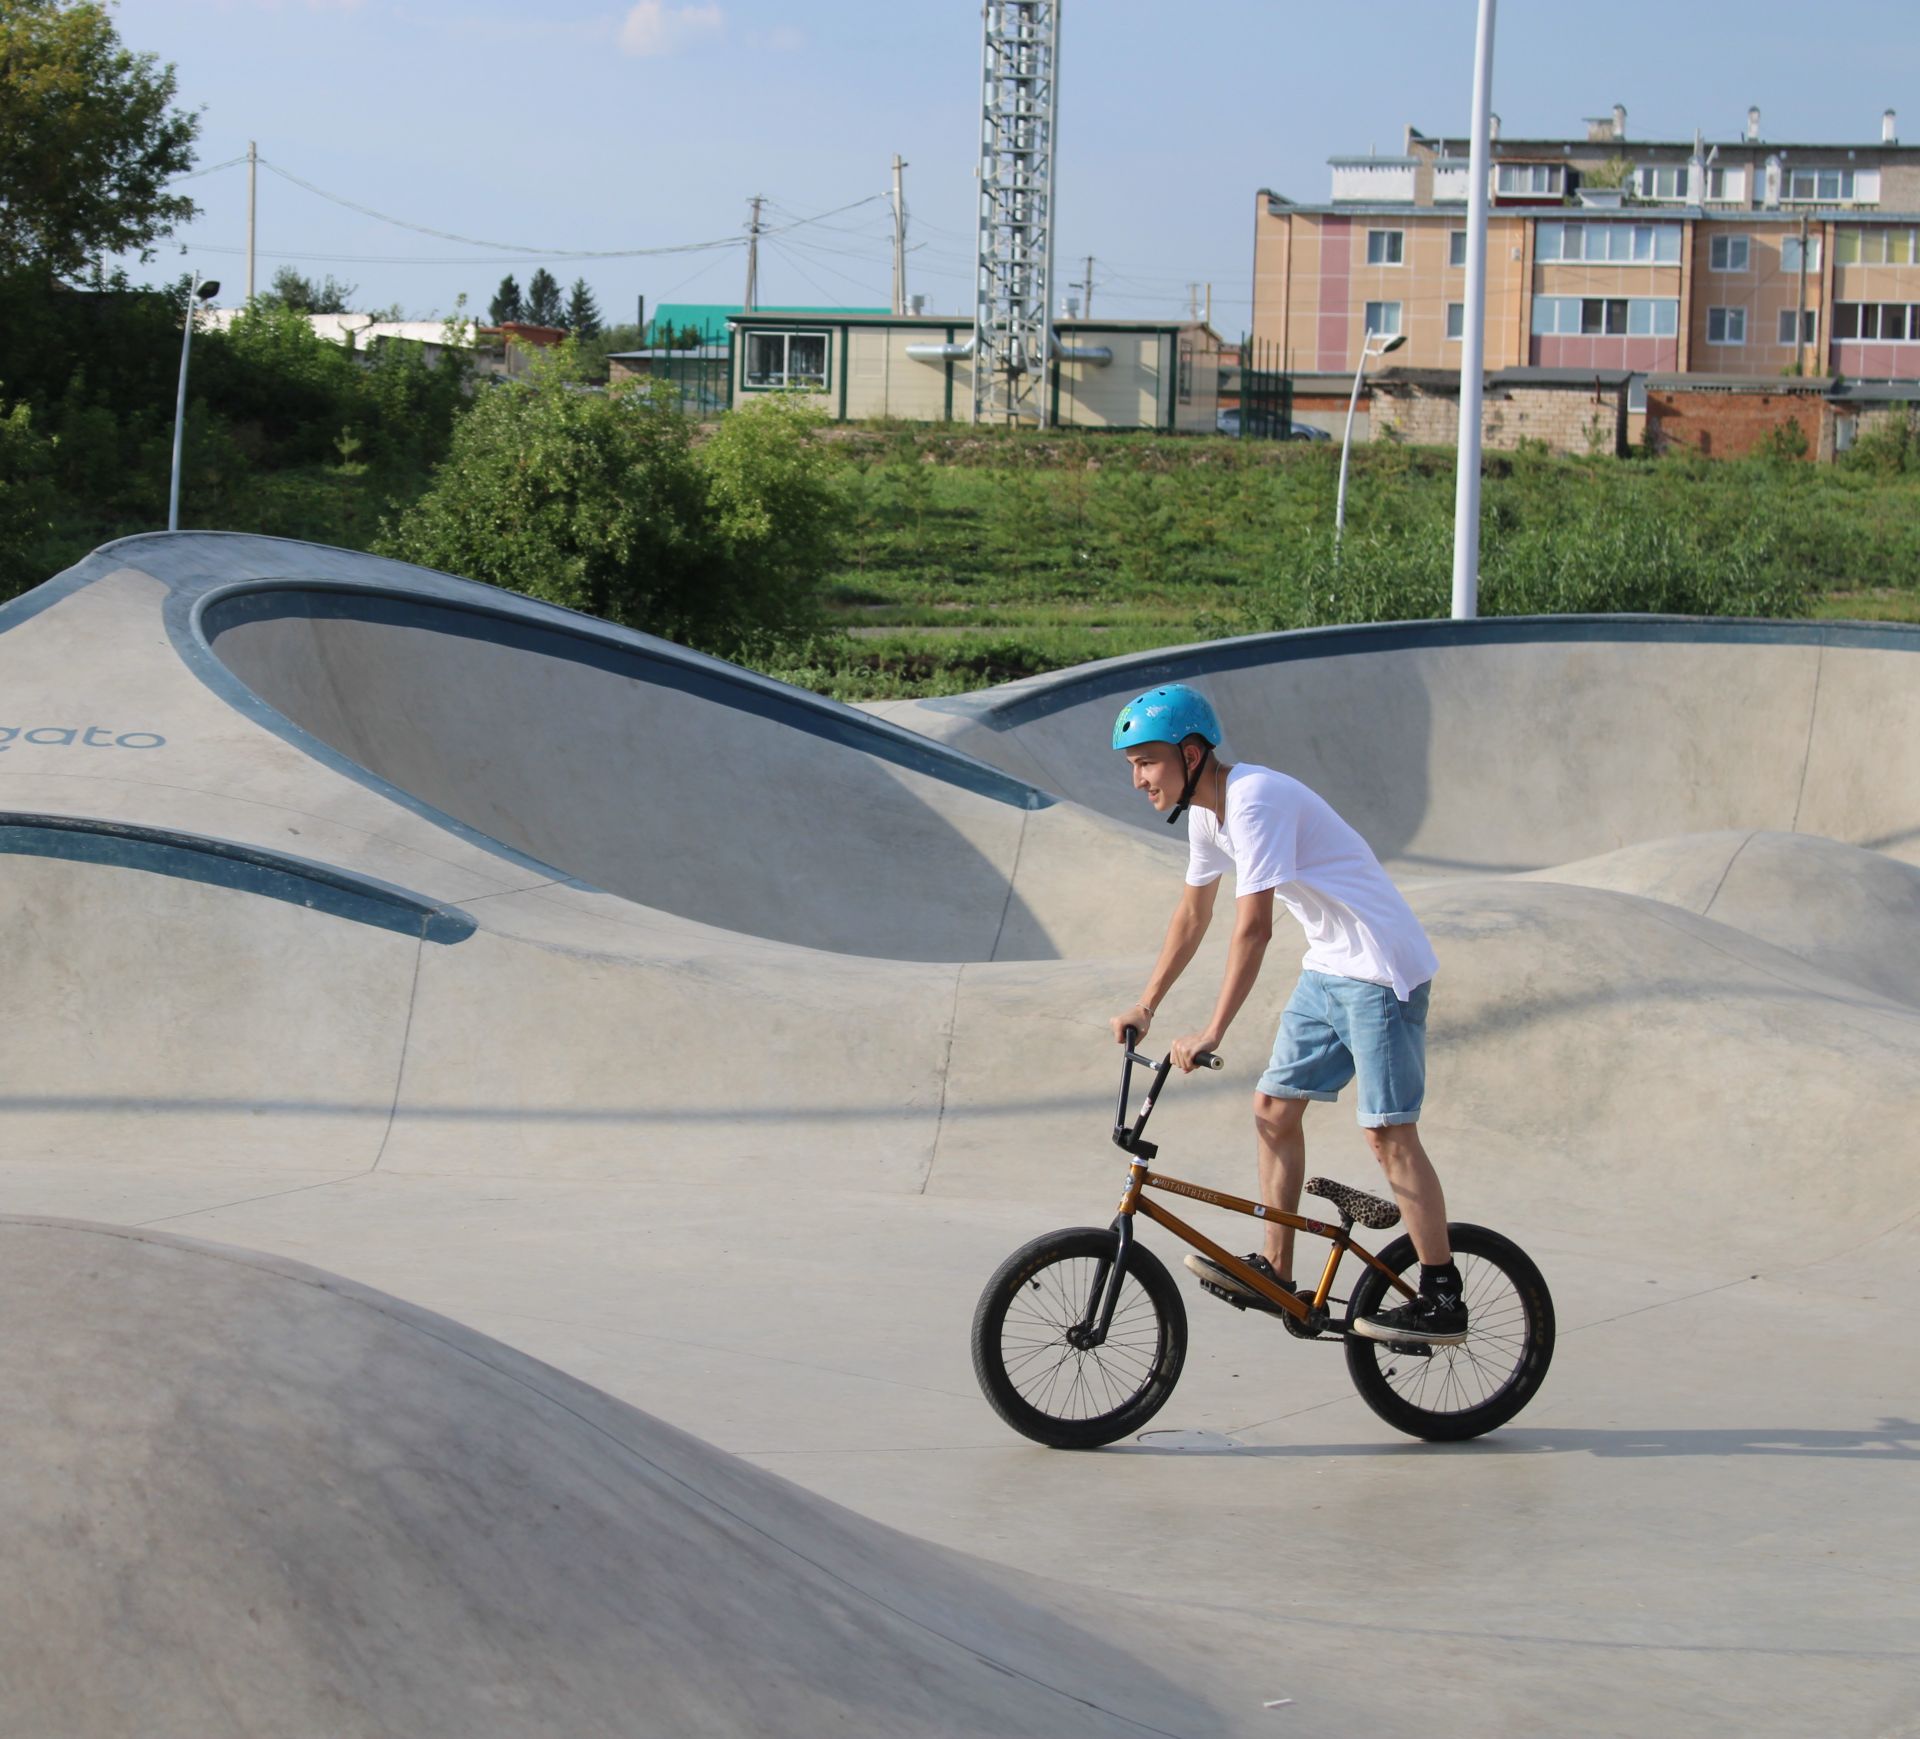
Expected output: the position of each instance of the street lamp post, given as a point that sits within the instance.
(1346, 446)
(205, 293)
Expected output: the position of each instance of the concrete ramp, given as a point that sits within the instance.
(684, 784)
(713, 1044)
(1515, 744)
(267, 1502)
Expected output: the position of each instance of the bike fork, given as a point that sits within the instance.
(1104, 1297)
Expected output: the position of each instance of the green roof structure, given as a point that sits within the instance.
(709, 319)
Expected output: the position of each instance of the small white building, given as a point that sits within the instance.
(1113, 374)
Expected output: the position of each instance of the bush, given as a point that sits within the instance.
(598, 501)
(26, 501)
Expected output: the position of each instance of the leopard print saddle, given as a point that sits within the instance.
(1356, 1204)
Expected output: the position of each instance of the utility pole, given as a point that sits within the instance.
(899, 240)
(1085, 287)
(753, 255)
(1193, 299)
(253, 182)
(1800, 308)
(1209, 304)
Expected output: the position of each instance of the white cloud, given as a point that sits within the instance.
(653, 27)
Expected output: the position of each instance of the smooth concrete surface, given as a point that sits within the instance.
(743, 1166)
(283, 1504)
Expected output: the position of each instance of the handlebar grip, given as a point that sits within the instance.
(1210, 1060)
(1131, 1034)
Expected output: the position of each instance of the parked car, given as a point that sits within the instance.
(1268, 427)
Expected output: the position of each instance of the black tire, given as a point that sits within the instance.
(1067, 1397)
(1450, 1393)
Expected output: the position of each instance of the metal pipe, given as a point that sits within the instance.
(1097, 354)
(1466, 492)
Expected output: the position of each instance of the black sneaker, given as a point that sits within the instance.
(1425, 1322)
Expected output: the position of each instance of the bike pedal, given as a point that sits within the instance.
(1224, 1295)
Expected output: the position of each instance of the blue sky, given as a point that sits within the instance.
(577, 127)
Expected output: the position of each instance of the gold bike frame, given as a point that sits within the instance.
(1140, 1179)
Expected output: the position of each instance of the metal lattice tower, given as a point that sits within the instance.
(1013, 277)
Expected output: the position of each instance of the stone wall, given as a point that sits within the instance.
(1567, 419)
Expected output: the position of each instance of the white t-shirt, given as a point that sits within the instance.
(1280, 835)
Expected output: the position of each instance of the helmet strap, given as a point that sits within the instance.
(1186, 790)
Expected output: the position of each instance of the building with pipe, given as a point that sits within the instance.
(1103, 374)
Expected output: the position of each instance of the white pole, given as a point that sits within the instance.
(180, 406)
(1346, 450)
(1466, 493)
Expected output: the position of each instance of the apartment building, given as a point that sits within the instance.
(1742, 256)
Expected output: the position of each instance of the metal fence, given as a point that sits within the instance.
(1266, 391)
(700, 366)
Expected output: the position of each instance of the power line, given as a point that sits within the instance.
(499, 247)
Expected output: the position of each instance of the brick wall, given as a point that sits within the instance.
(1566, 419)
(1728, 425)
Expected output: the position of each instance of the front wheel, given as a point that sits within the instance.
(1447, 1393)
(1038, 1380)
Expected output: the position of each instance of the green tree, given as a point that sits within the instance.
(599, 501)
(583, 313)
(506, 304)
(89, 140)
(543, 306)
(292, 289)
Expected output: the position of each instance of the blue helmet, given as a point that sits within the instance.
(1166, 715)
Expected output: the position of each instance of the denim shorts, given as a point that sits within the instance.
(1336, 1028)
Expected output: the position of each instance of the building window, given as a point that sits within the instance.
(1727, 185)
(1185, 384)
(1726, 326)
(1516, 179)
(1383, 319)
(1663, 181)
(1636, 394)
(1790, 254)
(1456, 321)
(1727, 253)
(1606, 316)
(1879, 322)
(1640, 244)
(1603, 316)
(1876, 247)
(1457, 247)
(1385, 247)
(1833, 186)
(1809, 326)
(786, 359)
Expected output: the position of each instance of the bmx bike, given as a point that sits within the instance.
(1081, 1334)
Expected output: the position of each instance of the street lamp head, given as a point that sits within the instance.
(1393, 343)
(208, 290)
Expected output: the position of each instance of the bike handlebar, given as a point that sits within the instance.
(1129, 1138)
(1201, 1059)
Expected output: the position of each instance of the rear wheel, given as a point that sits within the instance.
(1038, 1380)
(1447, 1393)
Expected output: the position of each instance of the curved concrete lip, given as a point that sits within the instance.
(752, 1185)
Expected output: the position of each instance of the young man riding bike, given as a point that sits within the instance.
(1360, 1009)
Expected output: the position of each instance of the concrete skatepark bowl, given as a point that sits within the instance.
(495, 1202)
